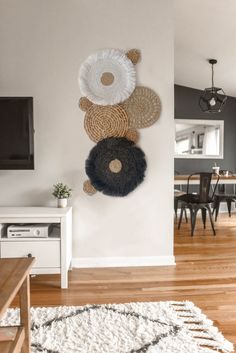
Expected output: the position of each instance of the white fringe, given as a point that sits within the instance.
(107, 60)
(201, 328)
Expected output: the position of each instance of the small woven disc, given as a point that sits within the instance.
(134, 55)
(88, 188)
(115, 166)
(105, 121)
(84, 104)
(143, 108)
(132, 135)
(107, 78)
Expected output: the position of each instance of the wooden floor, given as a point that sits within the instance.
(205, 274)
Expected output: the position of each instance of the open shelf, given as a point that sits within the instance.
(55, 234)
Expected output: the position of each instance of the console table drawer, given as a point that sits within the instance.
(46, 253)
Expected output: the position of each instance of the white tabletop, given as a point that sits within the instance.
(34, 211)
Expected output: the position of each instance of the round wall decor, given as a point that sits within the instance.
(105, 121)
(107, 77)
(88, 188)
(134, 55)
(143, 107)
(132, 135)
(116, 166)
(84, 104)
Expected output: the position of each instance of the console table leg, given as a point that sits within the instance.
(64, 279)
(24, 294)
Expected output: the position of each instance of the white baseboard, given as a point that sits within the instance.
(94, 262)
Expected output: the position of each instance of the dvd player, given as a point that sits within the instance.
(29, 230)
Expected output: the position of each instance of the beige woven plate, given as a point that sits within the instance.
(84, 104)
(143, 107)
(134, 55)
(105, 121)
(132, 135)
(88, 188)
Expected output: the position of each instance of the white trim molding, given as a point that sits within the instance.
(95, 262)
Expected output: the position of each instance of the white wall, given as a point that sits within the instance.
(43, 44)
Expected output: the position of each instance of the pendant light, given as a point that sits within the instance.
(213, 98)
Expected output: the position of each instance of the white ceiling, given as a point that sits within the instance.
(205, 29)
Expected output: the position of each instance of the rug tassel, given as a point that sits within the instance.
(201, 328)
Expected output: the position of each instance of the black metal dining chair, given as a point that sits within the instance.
(199, 201)
(222, 196)
(177, 202)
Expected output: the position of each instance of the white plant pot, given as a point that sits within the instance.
(61, 203)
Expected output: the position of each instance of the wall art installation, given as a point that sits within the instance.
(116, 166)
(114, 109)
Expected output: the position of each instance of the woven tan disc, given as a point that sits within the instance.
(107, 78)
(84, 103)
(143, 108)
(88, 188)
(105, 121)
(134, 55)
(132, 135)
(115, 166)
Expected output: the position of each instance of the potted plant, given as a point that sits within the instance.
(62, 192)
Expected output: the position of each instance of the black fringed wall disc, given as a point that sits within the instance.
(116, 166)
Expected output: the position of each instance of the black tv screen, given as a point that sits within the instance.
(16, 133)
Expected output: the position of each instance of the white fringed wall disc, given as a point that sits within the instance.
(143, 108)
(107, 77)
(106, 121)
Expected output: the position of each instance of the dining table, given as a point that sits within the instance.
(224, 179)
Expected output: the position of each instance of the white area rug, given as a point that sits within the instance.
(162, 327)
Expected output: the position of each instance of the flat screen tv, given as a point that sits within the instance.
(16, 133)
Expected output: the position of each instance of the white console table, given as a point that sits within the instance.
(54, 253)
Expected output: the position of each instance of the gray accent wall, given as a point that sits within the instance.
(186, 107)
